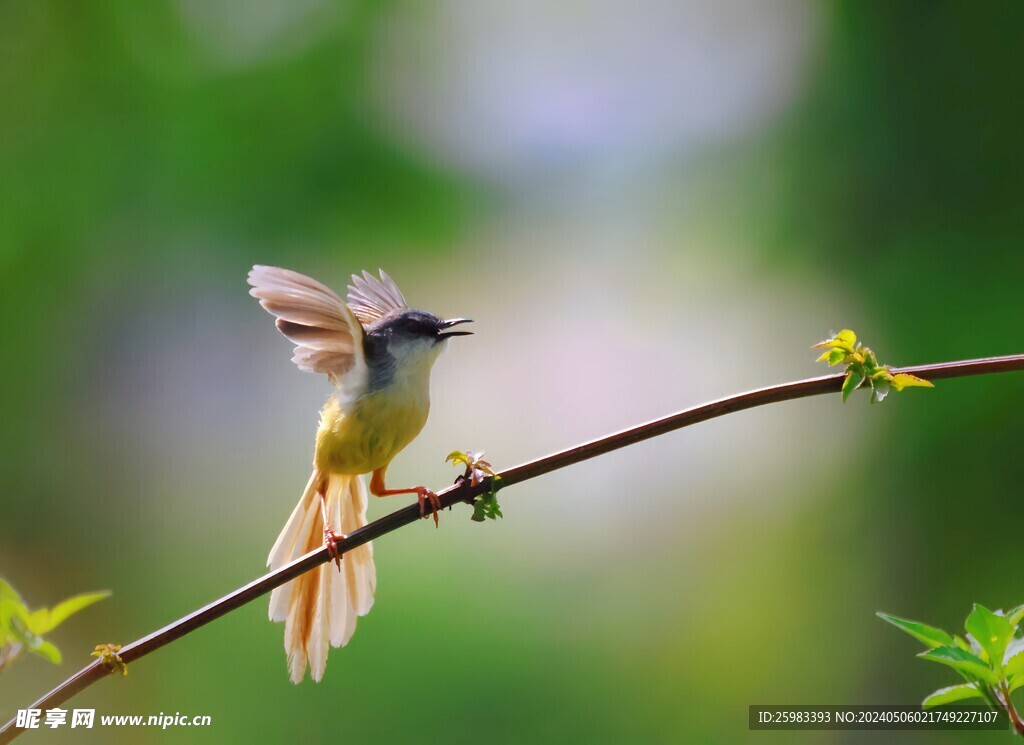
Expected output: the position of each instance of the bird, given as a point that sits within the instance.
(377, 353)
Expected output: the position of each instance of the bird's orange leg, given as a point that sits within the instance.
(423, 494)
(329, 535)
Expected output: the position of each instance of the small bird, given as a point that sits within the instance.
(378, 353)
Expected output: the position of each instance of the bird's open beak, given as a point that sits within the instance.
(455, 322)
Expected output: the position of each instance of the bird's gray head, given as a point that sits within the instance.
(408, 338)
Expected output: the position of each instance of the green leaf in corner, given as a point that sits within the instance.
(852, 382)
(993, 633)
(21, 629)
(43, 620)
(951, 694)
(33, 642)
(963, 661)
(927, 635)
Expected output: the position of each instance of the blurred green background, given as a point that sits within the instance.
(644, 206)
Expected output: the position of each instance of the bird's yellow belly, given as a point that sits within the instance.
(369, 435)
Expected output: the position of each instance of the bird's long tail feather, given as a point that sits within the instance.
(321, 606)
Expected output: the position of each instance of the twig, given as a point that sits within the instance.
(463, 492)
(1006, 703)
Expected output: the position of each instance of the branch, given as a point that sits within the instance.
(1011, 711)
(463, 492)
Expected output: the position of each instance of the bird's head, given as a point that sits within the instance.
(413, 334)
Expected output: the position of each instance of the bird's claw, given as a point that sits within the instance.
(423, 495)
(331, 541)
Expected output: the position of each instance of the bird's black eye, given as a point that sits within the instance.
(419, 327)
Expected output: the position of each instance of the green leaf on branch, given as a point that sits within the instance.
(21, 629)
(906, 380)
(43, 620)
(486, 505)
(963, 643)
(1016, 682)
(993, 633)
(963, 661)
(862, 364)
(950, 694)
(477, 471)
(47, 651)
(879, 389)
(927, 635)
(1013, 660)
(845, 340)
(1015, 616)
(852, 382)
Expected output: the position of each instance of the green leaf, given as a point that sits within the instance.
(906, 380)
(33, 642)
(1013, 660)
(927, 635)
(47, 650)
(992, 632)
(8, 592)
(836, 356)
(20, 626)
(961, 660)
(853, 380)
(962, 643)
(43, 621)
(1016, 682)
(11, 609)
(847, 338)
(950, 694)
(1016, 616)
(486, 506)
(455, 457)
(478, 511)
(879, 390)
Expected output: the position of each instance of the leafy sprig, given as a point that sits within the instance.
(477, 470)
(862, 365)
(22, 629)
(990, 658)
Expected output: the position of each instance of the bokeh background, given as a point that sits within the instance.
(644, 206)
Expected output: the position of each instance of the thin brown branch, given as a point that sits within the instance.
(1006, 703)
(463, 492)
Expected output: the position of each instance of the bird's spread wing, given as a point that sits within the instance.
(328, 336)
(371, 298)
